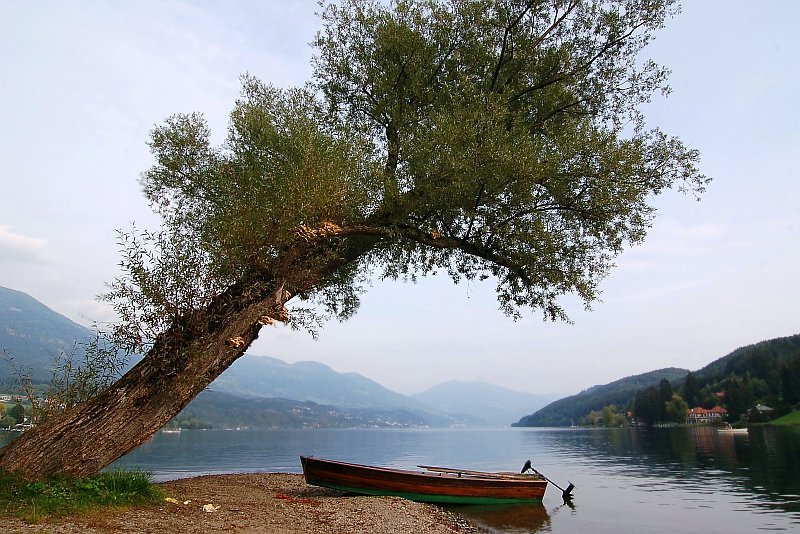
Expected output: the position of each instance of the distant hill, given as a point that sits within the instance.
(495, 405)
(758, 359)
(34, 334)
(265, 377)
(763, 373)
(256, 390)
(565, 411)
(220, 410)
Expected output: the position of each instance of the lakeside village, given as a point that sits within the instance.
(717, 416)
(676, 412)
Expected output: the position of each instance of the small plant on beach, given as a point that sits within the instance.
(60, 496)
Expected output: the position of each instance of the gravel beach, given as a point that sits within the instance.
(261, 502)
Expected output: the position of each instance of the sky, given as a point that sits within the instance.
(83, 83)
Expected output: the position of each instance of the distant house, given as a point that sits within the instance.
(700, 415)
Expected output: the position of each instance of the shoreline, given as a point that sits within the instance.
(257, 503)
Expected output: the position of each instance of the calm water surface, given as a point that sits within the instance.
(628, 480)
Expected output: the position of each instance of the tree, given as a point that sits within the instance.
(676, 409)
(17, 412)
(691, 390)
(496, 140)
(612, 417)
(648, 406)
(665, 390)
(738, 397)
(790, 381)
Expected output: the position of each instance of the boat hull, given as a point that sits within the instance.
(487, 488)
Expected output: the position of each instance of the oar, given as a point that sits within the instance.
(565, 493)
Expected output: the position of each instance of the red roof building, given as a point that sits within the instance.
(701, 415)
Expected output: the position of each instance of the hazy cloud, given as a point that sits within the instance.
(21, 248)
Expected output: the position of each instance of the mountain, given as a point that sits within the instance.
(303, 393)
(565, 411)
(220, 410)
(34, 335)
(495, 405)
(262, 376)
(759, 360)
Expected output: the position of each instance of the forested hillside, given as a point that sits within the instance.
(765, 373)
(569, 410)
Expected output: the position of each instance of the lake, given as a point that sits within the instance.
(628, 480)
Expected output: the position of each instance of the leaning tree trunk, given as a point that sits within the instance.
(182, 362)
(184, 359)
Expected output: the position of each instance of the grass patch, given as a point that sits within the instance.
(788, 419)
(60, 496)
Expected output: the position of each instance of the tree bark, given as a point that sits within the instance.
(183, 361)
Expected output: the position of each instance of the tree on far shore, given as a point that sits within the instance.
(676, 409)
(499, 140)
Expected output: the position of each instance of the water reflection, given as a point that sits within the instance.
(761, 466)
(507, 518)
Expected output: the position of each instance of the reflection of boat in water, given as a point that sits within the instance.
(436, 484)
(507, 517)
(730, 430)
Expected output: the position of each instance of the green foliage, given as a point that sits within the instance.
(792, 418)
(676, 409)
(649, 407)
(756, 359)
(229, 212)
(487, 139)
(505, 127)
(34, 501)
(620, 393)
(17, 412)
(738, 397)
(609, 416)
(691, 390)
(790, 380)
(766, 372)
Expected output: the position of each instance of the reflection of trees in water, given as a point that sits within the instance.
(773, 462)
(763, 463)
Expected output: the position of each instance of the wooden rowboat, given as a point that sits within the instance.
(435, 484)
